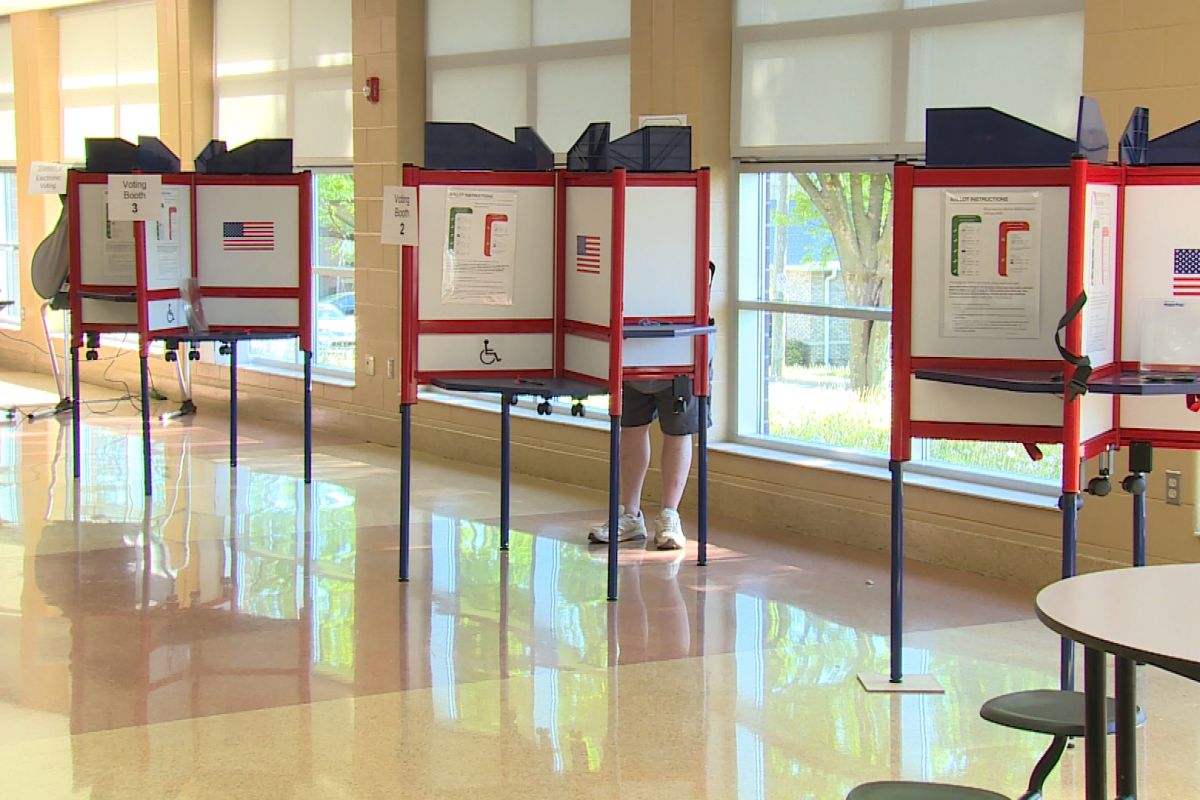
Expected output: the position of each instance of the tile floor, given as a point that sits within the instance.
(239, 636)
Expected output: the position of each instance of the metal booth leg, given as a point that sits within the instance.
(405, 484)
(308, 444)
(505, 441)
(1069, 504)
(614, 494)
(233, 390)
(896, 674)
(145, 368)
(76, 436)
(702, 483)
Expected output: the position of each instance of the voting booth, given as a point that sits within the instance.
(1042, 296)
(552, 283)
(188, 258)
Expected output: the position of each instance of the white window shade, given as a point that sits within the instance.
(553, 64)
(573, 93)
(816, 79)
(815, 92)
(8, 131)
(570, 21)
(283, 70)
(108, 74)
(956, 65)
(494, 97)
(475, 26)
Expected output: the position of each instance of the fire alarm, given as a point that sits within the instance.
(370, 90)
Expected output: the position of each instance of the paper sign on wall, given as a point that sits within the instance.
(135, 197)
(399, 215)
(478, 251)
(47, 177)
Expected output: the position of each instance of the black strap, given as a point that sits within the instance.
(1078, 385)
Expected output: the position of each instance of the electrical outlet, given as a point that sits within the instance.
(370, 367)
(391, 368)
(1174, 487)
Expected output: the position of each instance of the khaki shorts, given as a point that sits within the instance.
(642, 401)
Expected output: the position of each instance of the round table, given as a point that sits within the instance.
(1141, 614)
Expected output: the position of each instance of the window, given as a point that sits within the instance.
(872, 67)
(814, 323)
(108, 72)
(554, 64)
(283, 69)
(10, 267)
(332, 289)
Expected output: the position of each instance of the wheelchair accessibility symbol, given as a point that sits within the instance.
(170, 313)
(488, 356)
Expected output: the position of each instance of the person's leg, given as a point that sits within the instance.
(635, 460)
(676, 462)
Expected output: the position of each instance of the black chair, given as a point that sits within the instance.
(915, 790)
(1053, 712)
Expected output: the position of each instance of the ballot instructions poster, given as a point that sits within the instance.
(167, 268)
(992, 270)
(480, 235)
(119, 266)
(1100, 272)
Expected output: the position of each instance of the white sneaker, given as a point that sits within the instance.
(629, 527)
(668, 532)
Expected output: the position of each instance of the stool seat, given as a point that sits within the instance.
(1049, 711)
(910, 790)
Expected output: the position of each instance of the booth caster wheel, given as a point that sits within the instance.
(224, 350)
(171, 356)
(91, 355)
(193, 355)
(543, 408)
(513, 400)
(577, 410)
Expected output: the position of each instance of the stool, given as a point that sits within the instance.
(910, 790)
(1053, 712)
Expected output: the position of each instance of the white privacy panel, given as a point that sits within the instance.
(589, 254)
(665, 352)
(1168, 413)
(107, 312)
(660, 251)
(251, 312)
(929, 258)
(498, 352)
(248, 236)
(1095, 415)
(1160, 227)
(532, 234)
(946, 402)
(169, 241)
(165, 315)
(586, 357)
(106, 249)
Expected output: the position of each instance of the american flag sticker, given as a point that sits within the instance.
(1185, 278)
(587, 254)
(243, 236)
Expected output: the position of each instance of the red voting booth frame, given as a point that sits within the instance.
(143, 296)
(613, 334)
(1007, 373)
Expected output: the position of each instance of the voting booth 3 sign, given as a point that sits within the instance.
(554, 284)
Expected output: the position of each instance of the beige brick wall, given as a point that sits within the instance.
(1143, 52)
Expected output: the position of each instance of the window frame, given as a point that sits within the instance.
(10, 317)
(751, 374)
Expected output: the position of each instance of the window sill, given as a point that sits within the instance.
(1029, 499)
(297, 373)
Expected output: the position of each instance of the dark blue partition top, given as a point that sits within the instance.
(257, 157)
(1135, 142)
(654, 148)
(987, 137)
(117, 155)
(1179, 147)
(465, 145)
